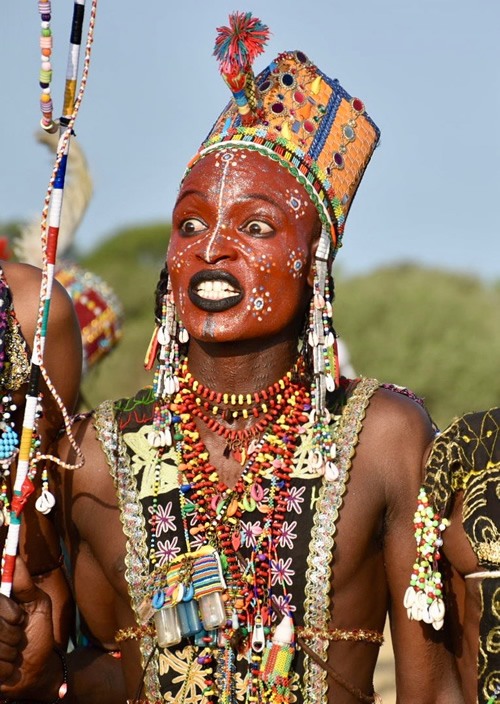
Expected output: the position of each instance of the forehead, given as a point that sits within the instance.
(241, 172)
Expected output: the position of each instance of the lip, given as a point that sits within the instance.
(218, 297)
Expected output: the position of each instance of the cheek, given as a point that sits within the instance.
(264, 262)
(260, 303)
(296, 262)
(175, 258)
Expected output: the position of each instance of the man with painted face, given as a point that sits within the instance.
(241, 529)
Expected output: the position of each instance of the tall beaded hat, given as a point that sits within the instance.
(295, 114)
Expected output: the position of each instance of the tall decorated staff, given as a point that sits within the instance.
(28, 457)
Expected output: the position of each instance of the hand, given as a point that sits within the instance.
(26, 637)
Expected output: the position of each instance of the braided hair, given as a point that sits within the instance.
(160, 293)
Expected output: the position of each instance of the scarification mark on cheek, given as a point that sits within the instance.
(260, 302)
(296, 202)
(295, 262)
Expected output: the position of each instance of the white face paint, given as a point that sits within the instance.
(226, 157)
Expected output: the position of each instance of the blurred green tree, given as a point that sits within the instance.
(435, 331)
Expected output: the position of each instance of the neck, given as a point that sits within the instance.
(241, 368)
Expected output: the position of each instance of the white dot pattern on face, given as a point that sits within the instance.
(260, 302)
(295, 202)
(264, 263)
(295, 262)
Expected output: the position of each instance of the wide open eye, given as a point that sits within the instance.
(258, 228)
(192, 226)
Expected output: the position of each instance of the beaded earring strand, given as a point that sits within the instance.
(321, 339)
(164, 345)
(23, 485)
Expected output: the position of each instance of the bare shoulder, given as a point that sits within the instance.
(396, 436)
(397, 415)
(25, 282)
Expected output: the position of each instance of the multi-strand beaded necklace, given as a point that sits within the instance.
(211, 513)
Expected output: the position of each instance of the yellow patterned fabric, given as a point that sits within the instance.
(16, 367)
(466, 457)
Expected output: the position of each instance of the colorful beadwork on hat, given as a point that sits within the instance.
(296, 115)
(98, 310)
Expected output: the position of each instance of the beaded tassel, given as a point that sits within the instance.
(166, 382)
(321, 339)
(423, 599)
(277, 662)
(236, 47)
(168, 336)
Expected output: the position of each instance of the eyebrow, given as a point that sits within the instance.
(265, 197)
(190, 192)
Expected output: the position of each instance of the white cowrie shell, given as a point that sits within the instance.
(330, 383)
(163, 337)
(409, 598)
(45, 502)
(331, 472)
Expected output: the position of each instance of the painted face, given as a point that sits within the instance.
(240, 258)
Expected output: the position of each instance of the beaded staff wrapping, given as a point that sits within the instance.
(23, 485)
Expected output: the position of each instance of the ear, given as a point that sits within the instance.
(312, 260)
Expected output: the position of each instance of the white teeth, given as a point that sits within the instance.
(215, 290)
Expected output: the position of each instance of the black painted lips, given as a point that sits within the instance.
(211, 305)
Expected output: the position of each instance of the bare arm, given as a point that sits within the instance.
(39, 544)
(26, 622)
(425, 667)
(30, 667)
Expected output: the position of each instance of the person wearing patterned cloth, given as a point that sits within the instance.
(461, 486)
(241, 529)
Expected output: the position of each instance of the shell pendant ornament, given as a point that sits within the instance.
(45, 502)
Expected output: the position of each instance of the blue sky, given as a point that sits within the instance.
(427, 70)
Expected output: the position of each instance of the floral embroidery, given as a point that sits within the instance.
(161, 520)
(166, 551)
(175, 674)
(295, 499)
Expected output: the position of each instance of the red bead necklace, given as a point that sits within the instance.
(204, 403)
(212, 511)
